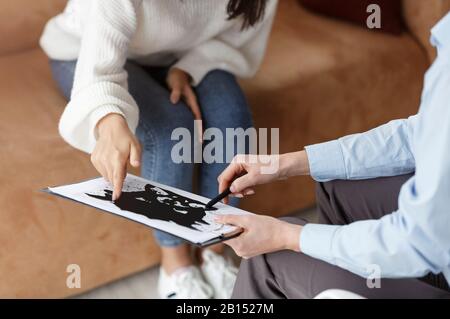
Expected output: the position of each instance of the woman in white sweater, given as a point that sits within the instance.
(147, 67)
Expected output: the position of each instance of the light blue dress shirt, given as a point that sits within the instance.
(415, 239)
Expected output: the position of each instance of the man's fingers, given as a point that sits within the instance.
(135, 154)
(228, 175)
(118, 178)
(245, 192)
(236, 220)
(242, 183)
(248, 191)
(231, 242)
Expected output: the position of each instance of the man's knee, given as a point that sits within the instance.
(336, 189)
(274, 275)
(325, 188)
(257, 277)
(294, 220)
(250, 282)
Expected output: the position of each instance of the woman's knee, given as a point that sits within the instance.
(222, 101)
(167, 145)
(219, 79)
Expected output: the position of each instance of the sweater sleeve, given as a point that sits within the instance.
(234, 50)
(100, 83)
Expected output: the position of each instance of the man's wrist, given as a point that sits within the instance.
(290, 234)
(294, 164)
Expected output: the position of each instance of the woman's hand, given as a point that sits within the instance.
(179, 84)
(261, 234)
(246, 171)
(115, 145)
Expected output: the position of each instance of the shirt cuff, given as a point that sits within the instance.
(317, 241)
(326, 161)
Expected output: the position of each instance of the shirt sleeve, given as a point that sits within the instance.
(383, 151)
(413, 240)
(100, 83)
(234, 50)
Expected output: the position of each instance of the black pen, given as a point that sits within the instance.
(218, 198)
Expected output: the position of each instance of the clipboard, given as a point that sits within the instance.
(233, 233)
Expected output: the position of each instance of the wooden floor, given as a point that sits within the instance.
(143, 285)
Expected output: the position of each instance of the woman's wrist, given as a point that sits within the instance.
(294, 164)
(108, 122)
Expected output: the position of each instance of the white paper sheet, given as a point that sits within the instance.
(203, 232)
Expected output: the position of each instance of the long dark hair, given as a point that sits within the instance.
(252, 11)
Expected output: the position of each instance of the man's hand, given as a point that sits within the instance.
(246, 171)
(115, 145)
(179, 83)
(261, 234)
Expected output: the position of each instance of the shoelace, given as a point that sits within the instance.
(190, 284)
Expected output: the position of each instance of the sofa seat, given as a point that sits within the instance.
(320, 79)
(41, 235)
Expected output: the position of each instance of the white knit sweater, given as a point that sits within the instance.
(103, 34)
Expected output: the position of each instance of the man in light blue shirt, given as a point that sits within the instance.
(394, 222)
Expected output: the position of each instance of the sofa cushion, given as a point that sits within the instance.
(22, 22)
(355, 11)
(420, 16)
(322, 79)
(36, 228)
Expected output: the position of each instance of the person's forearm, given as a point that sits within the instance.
(294, 164)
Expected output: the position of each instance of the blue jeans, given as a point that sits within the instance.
(223, 106)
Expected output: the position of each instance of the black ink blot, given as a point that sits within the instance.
(157, 203)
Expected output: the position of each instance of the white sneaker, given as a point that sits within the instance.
(185, 283)
(220, 273)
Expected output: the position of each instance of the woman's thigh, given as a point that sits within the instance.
(63, 73)
(223, 106)
(158, 120)
(223, 102)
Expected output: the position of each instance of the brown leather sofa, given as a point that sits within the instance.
(321, 79)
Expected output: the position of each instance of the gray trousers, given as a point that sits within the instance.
(288, 274)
